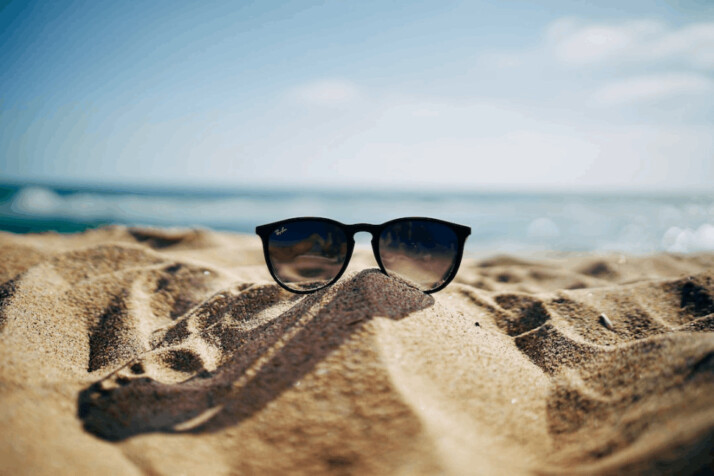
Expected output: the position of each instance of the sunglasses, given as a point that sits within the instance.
(307, 254)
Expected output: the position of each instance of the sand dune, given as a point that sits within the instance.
(131, 351)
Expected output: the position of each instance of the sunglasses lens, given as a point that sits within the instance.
(307, 255)
(421, 252)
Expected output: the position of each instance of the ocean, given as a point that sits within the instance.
(501, 222)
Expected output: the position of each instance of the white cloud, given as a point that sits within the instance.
(694, 42)
(577, 43)
(654, 87)
(327, 93)
(582, 44)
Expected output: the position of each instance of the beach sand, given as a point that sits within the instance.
(132, 351)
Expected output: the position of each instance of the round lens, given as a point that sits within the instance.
(420, 252)
(307, 255)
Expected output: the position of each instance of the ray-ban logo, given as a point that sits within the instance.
(281, 231)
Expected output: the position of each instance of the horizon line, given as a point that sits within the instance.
(227, 188)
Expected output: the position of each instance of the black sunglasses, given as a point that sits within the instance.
(307, 254)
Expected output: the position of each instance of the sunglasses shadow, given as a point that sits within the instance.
(257, 355)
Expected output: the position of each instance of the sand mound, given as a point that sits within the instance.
(160, 351)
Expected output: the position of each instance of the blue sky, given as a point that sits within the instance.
(553, 95)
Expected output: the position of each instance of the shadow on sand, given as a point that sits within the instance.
(260, 357)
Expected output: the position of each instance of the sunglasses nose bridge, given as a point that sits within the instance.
(364, 227)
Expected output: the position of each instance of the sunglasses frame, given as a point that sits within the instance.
(264, 231)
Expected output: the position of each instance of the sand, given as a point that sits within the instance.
(130, 351)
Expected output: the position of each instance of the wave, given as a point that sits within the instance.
(501, 222)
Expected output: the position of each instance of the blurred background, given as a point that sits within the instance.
(552, 125)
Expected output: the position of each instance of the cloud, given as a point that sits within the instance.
(327, 93)
(640, 62)
(578, 44)
(645, 41)
(653, 88)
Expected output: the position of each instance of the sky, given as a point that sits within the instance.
(552, 95)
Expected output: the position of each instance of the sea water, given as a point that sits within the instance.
(501, 222)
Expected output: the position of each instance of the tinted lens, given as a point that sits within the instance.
(422, 253)
(307, 255)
